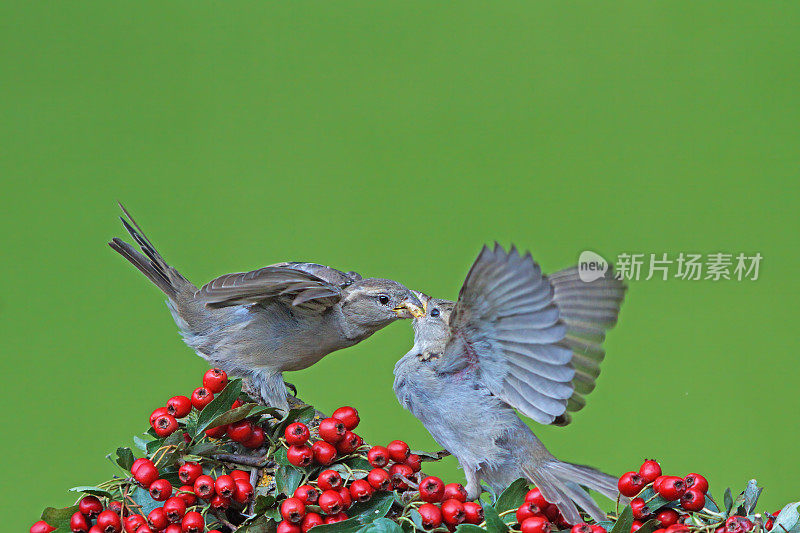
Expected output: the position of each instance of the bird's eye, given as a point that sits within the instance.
(383, 299)
(434, 312)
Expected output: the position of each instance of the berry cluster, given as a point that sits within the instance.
(204, 455)
(679, 504)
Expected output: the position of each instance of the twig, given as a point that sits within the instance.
(224, 520)
(245, 460)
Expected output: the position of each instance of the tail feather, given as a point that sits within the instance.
(148, 261)
(562, 484)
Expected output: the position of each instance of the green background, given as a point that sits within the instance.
(396, 139)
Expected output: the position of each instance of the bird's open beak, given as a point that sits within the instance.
(410, 309)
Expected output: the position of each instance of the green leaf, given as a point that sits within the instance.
(240, 413)
(287, 479)
(280, 457)
(649, 526)
(125, 457)
(204, 448)
(377, 507)
(624, 522)
(417, 519)
(258, 524)
(513, 496)
(220, 405)
(59, 517)
(751, 494)
(494, 523)
(381, 525)
(141, 443)
(351, 525)
(263, 503)
(95, 491)
(728, 501)
(469, 528)
(788, 520)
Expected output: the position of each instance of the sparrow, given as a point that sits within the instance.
(282, 317)
(515, 339)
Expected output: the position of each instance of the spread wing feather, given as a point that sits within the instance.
(305, 285)
(533, 340)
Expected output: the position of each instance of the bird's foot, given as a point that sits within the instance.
(291, 387)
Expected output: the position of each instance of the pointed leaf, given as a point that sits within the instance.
(287, 479)
(494, 523)
(469, 528)
(513, 496)
(751, 494)
(624, 522)
(59, 517)
(94, 491)
(381, 525)
(221, 404)
(728, 498)
(125, 457)
(788, 520)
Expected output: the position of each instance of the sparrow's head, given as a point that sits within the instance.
(373, 303)
(432, 330)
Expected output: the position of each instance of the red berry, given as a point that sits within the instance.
(179, 406)
(473, 513)
(193, 522)
(293, 510)
(347, 501)
(217, 432)
(257, 439)
(306, 494)
(204, 487)
(398, 451)
(157, 519)
(186, 493)
(288, 527)
(453, 512)
(329, 479)
(240, 474)
(696, 481)
(671, 488)
(155, 414)
(299, 455)
(431, 489)
(78, 523)
(738, 524)
(160, 490)
(225, 486)
(331, 430)
(176, 528)
(175, 508)
(535, 524)
(109, 522)
(201, 397)
(220, 503)
(189, 472)
(134, 522)
(640, 508)
(240, 431)
(146, 474)
(635, 525)
(583, 527)
(165, 425)
(535, 495)
(215, 380)
(296, 433)
(339, 517)
(693, 500)
(657, 482)
(324, 453)
(244, 491)
(350, 443)
(379, 479)
(527, 510)
(455, 491)
(598, 529)
(361, 490)
(378, 456)
(348, 416)
(552, 513)
(90, 506)
(415, 462)
(650, 470)
(311, 520)
(330, 502)
(667, 517)
(431, 515)
(42, 527)
(396, 471)
(630, 484)
(678, 528)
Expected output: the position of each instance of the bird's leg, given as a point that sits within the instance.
(473, 487)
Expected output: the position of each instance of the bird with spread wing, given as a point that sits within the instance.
(285, 316)
(515, 340)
